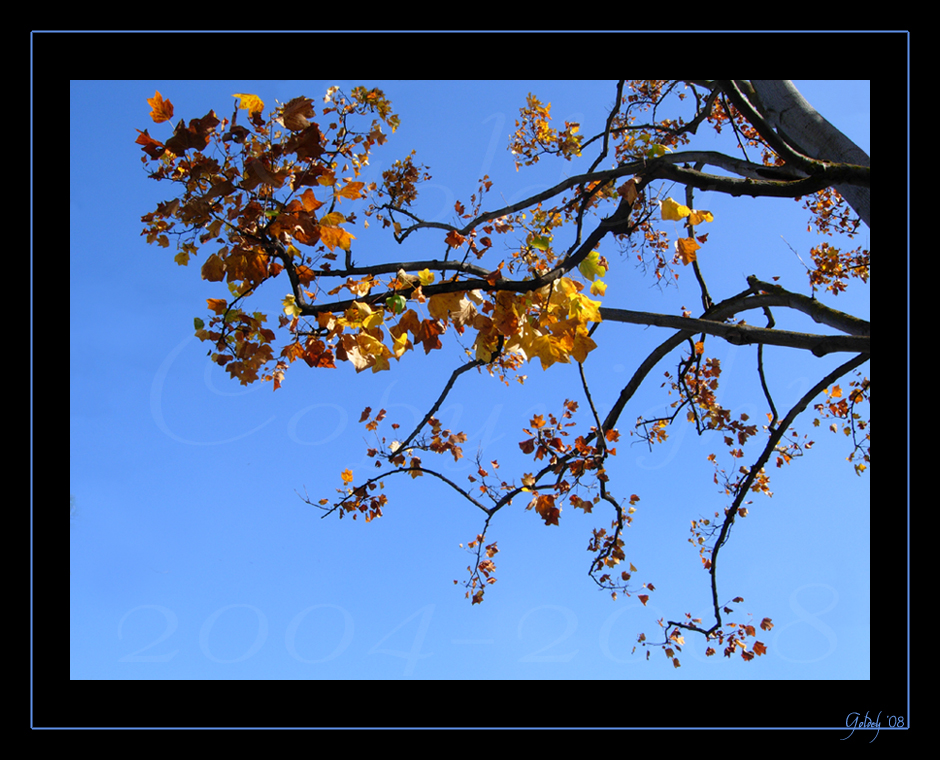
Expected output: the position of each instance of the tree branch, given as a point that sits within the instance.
(741, 334)
(745, 486)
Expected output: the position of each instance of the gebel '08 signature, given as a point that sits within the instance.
(856, 720)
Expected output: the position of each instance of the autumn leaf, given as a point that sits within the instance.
(153, 148)
(628, 191)
(643, 598)
(162, 109)
(351, 190)
(687, 248)
(454, 239)
(217, 305)
(252, 103)
(584, 309)
(673, 211)
(291, 307)
(196, 135)
(396, 304)
(347, 476)
(425, 276)
(542, 242)
(697, 217)
(590, 267)
(214, 269)
(427, 335)
(294, 114)
(333, 237)
(545, 506)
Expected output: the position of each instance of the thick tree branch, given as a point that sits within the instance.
(741, 334)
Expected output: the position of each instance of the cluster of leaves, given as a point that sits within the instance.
(841, 408)
(534, 136)
(733, 636)
(278, 197)
(252, 190)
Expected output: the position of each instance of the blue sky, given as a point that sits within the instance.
(192, 557)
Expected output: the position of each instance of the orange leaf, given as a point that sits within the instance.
(454, 239)
(352, 190)
(336, 236)
(153, 148)
(347, 476)
(545, 506)
(687, 248)
(162, 109)
(310, 201)
(217, 305)
(759, 648)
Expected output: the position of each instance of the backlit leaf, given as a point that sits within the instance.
(252, 103)
(673, 211)
(291, 307)
(590, 267)
(162, 109)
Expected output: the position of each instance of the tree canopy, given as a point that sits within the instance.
(277, 193)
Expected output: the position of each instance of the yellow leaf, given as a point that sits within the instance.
(332, 219)
(584, 309)
(671, 210)
(598, 288)
(400, 344)
(347, 476)
(426, 277)
(361, 315)
(583, 344)
(697, 217)
(253, 103)
(590, 268)
(291, 307)
(441, 305)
